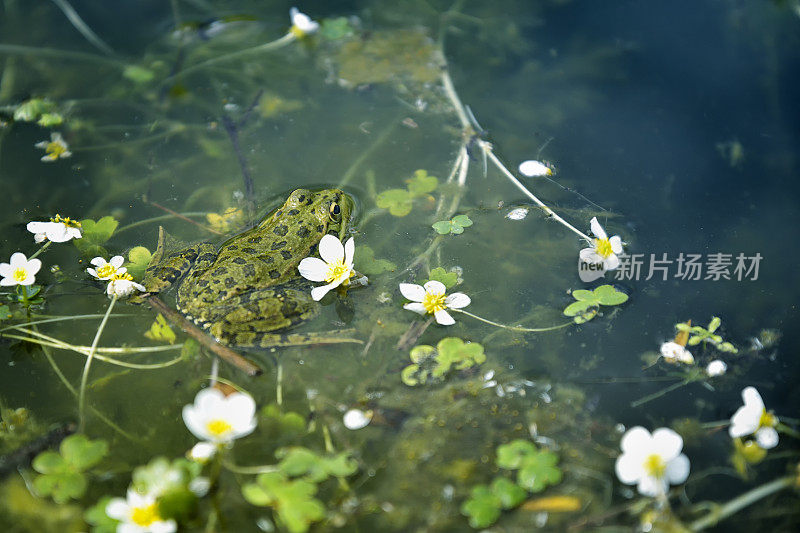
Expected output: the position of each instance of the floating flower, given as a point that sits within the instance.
(653, 462)
(55, 149)
(19, 270)
(357, 419)
(672, 352)
(220, 419)
(753, 419)
(121, 284)
(138, 514)
(57, 230)
(106, 270)
(533, 168)
(603, 250)
(302, 24)
(716, 368)
(202, 452)
(335, 268)
(430, 298)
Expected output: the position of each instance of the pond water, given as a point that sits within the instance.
(674, 124)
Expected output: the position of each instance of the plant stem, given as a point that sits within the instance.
(82, 27)
(21, 50)
(662, 392)
(40, 250)
(512, 328)
(266, 47)
(742, 501)
(85, 375)
(279, 387)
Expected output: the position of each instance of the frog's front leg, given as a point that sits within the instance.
(160, 276)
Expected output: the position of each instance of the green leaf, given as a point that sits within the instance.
(178, 504)
(583, 295)
(81, 453)
(50, 462)
(286, 422)
(608, 295)
(422, 353)
(443, 227)
(138, 74)
(482, 508)
(514, 454)
(299, 461)
(95, 234)
(335, 29)
(714, 324)
(292, 500)
(577, 308)
(32, 109)
(138, 259)
(61, 487)
(49, 120)
(422, 184)
(397, 201)
(367, 264)
(255, 495)
(448, 279)
(539, 470)
(5, 312)
(462, 220)
(409, 375)
(509, 493)
(160, 330)
(454, 351)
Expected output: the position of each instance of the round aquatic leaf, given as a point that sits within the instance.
(409, 375)
(586, 316)
(608, 295)
(462, 220)
(255, 495)
(448, 279)
(297, 461)
(539, 470)
(50, 462)
(514, 454)
(509, 493)
(82, 453)
(583, 294)
(421, 183)
(443, 227)
(455, 229)
(397, 201)
(482, 508)
(61, 487)
(138, 259)
(367, 264)
(579, 307)
(422, 352)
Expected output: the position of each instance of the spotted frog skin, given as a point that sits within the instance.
(249, 291)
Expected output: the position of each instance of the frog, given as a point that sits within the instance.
(248, 292)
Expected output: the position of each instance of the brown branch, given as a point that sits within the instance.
(223, 352)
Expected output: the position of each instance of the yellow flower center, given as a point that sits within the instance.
(655, 466)
(66, 220)
(434, 302)
(117, 276)
(20, 275)
(297, 32)
(767, 420)
(106, 271)
(55, 149)
(335, 270)
(218, 427)
(603, 247)
(145, 516)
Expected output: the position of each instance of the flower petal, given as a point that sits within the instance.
(616, 244)
(18, 260)
(33, 266)
(744, 421)
(349, 252)
(750, 395)
(677, 470)
(444, 318)
(98, 261)
(412, 291)
(457, 300)
(117, 509)
(597, 229)
(589, 255)
(650, 486)
(629, 468)
(636, 440)
(667, 443)
(117, 261)
(434, 287)
(767, 438)
(331, 249)
(318, 292)
(611, 262)
(6, 270)
(416, 307)
(313, 269)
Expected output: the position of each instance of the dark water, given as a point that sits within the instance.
(674, 123)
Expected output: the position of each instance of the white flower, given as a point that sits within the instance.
(121, 284)
(672, 352)
(220, 419)
(138, 514)
(19, 271)
(517, 214)
(653, 462)
(55, 148)
(753, 419)
(106, 270)
(200, 486)
(716, 368)
(57, 230)
(202, 452)
(603, 250)
(335, 268)
(301, 23)
(431, 298)
(532, 168)
(357, 419)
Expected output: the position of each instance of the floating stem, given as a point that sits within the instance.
(85, 375)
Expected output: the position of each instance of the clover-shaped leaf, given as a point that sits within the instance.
(587, 302)
(293, 500)
(62, 487)
(538, 471)
(284, 422)
(397, 201)
(62, 473)
(160, 330)
(449, 279)
(94, 235)
(514, 454)
(32, 109)
(454, 351)
(608, 295)
(299, 461)
(367, 264)
(482, 508)
(50, 120)
(421, 183)
(509, 493)
(81, 453)
(138, 259)
(432, 364)
(455, 225)
(334, 29)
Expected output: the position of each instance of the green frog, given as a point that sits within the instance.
(249, 291)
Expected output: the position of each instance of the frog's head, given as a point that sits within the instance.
(332, 208)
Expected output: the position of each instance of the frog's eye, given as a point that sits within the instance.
(335, 212)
